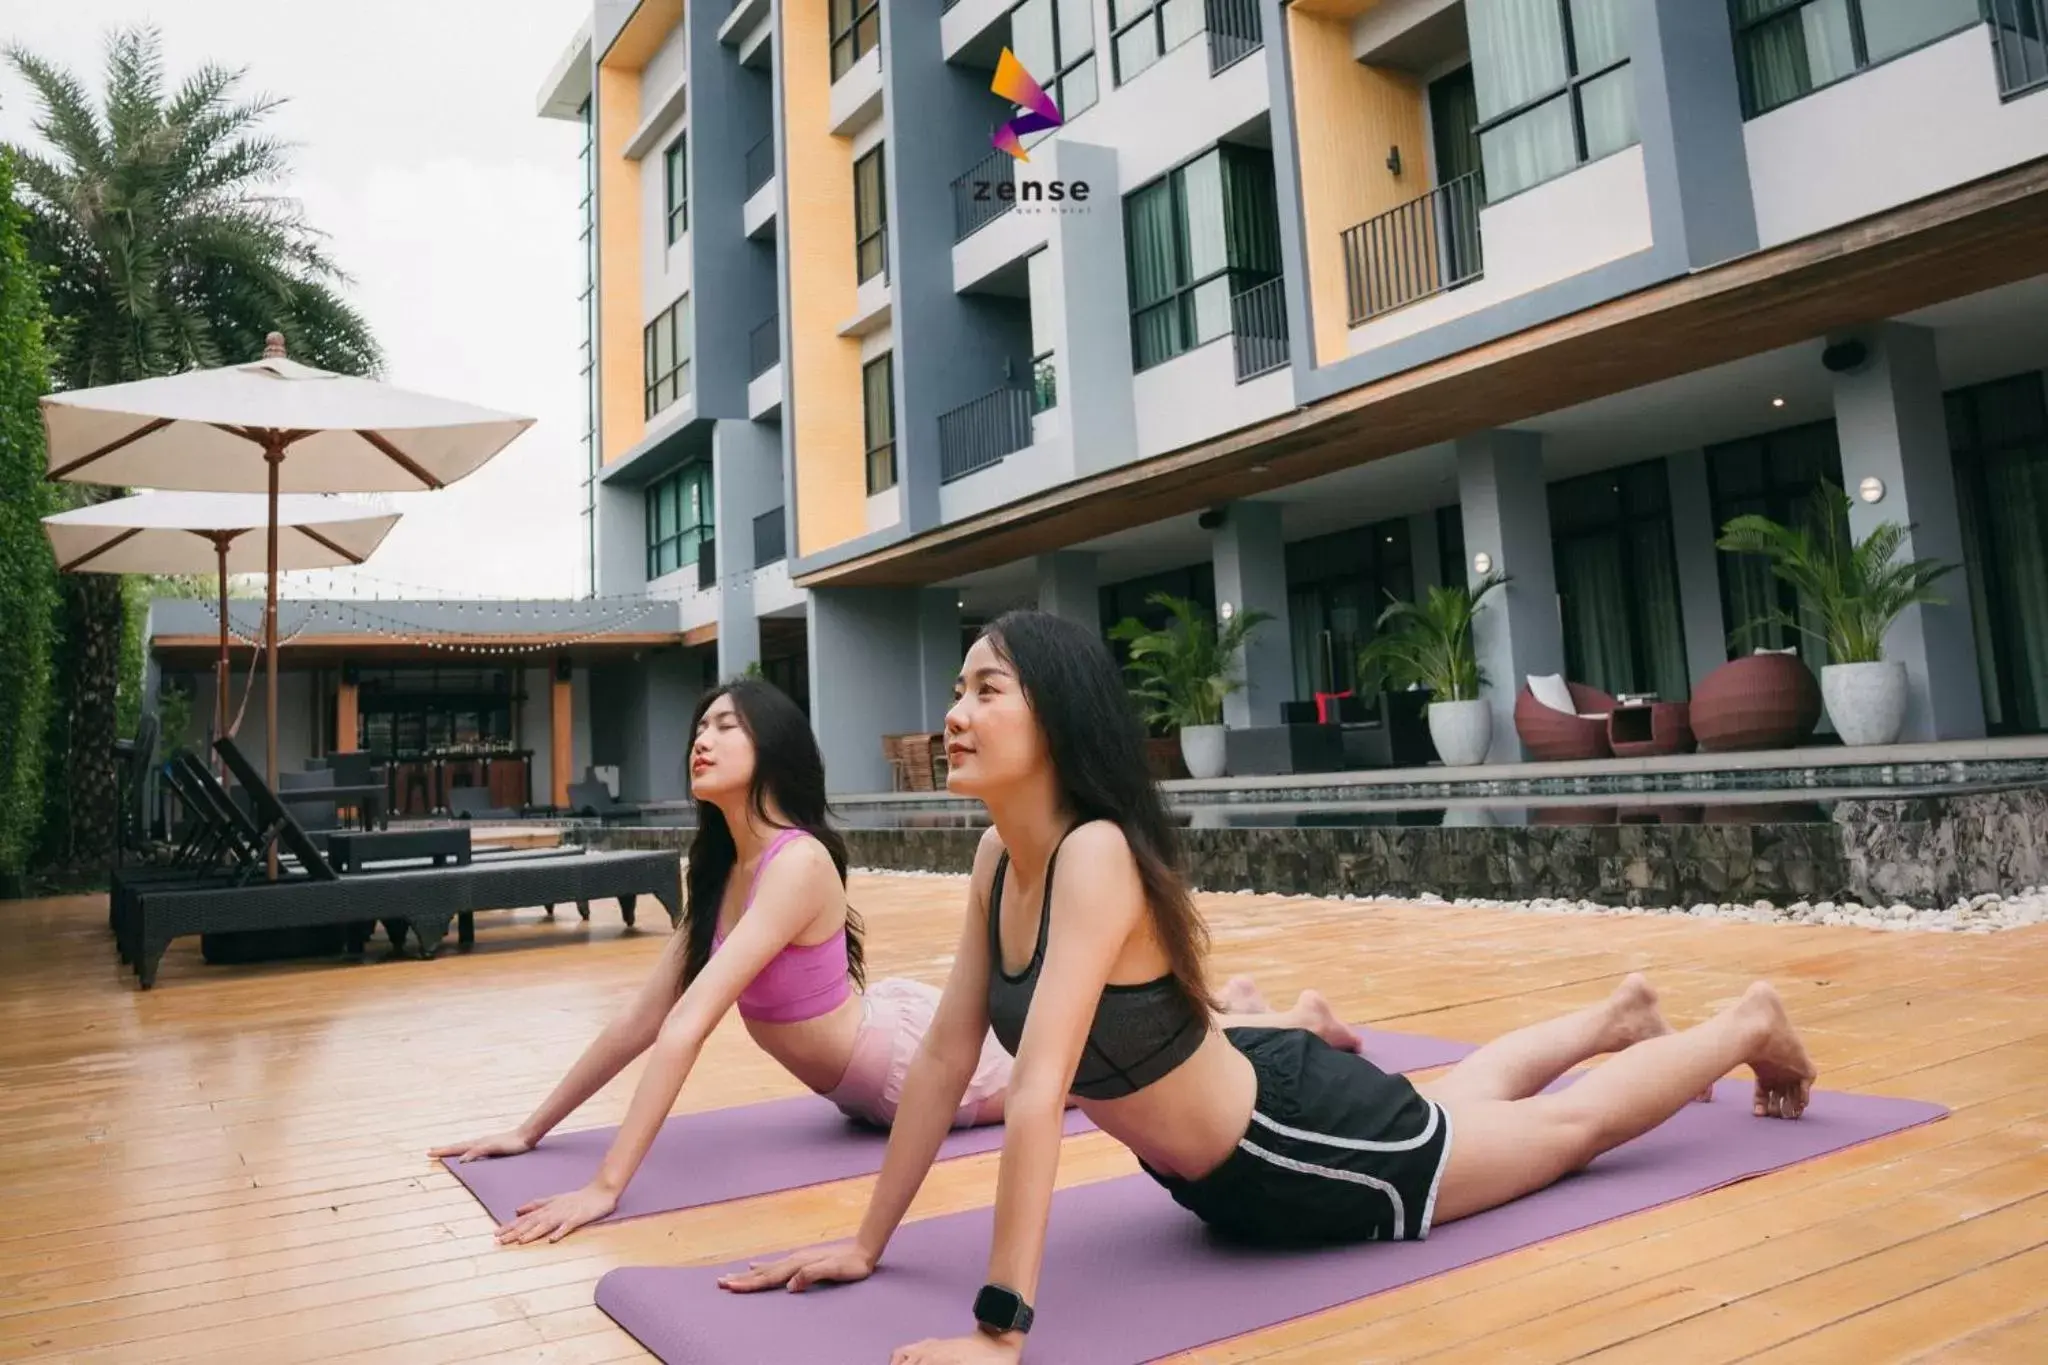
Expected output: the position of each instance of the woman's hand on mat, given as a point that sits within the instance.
(511, 1143)
(979, 1349)
(558, 1215)
(843, 1263)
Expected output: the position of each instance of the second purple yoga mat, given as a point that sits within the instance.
(1129, 1276)
(721, 1154)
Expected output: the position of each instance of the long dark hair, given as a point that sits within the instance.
(1097, 745)
(787, 767)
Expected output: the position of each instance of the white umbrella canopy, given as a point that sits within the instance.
(184, 533)
(206, 430)
(274, 426)
(167, 533)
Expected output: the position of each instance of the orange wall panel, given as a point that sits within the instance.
(1346, 116)
(830, 445)
(621, 392)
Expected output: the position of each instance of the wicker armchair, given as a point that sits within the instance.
(1552, 736)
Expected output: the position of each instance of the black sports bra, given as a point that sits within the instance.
(1140, 1032)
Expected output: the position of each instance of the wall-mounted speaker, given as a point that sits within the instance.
(1845, 356)
(1211, 519)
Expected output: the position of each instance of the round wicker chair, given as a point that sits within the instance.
(1553, 737)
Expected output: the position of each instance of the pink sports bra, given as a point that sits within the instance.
(802, 981)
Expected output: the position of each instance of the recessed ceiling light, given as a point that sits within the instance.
(1259, 469)
(1777, 402)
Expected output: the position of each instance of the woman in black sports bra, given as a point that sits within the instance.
(1083, 951)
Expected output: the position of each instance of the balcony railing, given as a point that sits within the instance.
(977, 200)
(764, 346)
(1422, 248)
(760, 164)
(707, 563)
(1234, 32)
(1258, 325)
(2019, 35)
(977, 434)
(769, 544)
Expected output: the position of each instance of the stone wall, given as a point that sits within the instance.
(1926, 852)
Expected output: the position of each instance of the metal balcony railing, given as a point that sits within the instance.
(977, 200)
(769, 544)
(707, 563)
(1234, 32)
(978, 433)
(1258, 326)
(1045, 384)
(2019, 37)
(1423, 247)
(764, 346)
(760, 164)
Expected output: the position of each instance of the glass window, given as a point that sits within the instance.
(666, 353)
(878, 404)
(1194, 239)
(856, 27)
(675, 174)
(1617, 581)
(1143, 31)
(1773, 475)
(870, 216)
(1055, 40)
(1999, 435)
(1788, 48)
(1554, 87)
(679, 518)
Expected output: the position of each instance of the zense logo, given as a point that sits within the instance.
(1038, 113)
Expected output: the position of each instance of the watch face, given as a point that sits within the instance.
(997, 1306)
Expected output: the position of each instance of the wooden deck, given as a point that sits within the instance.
(231, 1167)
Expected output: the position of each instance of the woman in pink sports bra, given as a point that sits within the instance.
(767, 929)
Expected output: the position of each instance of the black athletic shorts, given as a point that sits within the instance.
(1337, 1150)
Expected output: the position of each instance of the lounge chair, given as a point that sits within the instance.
(427, 899)
(592, 797)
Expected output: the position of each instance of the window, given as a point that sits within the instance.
(878, 404)
(1055, 40)
(856, 27)
(1143, 31)
(1193, 239)
(1999, 435)
(666, 354)
(1789, 48)
(1617, 581)
(1337, 586)
(1554, 85)
(679, 518)
(587, 348)
(1773, 475)
(870, 216)
(675, 175)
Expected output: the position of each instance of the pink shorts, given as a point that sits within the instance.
(894, 1016)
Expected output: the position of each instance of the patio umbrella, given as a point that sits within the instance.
(273, 426)
(193, 533)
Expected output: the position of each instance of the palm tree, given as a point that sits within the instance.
(1185, 670)
(163, 246)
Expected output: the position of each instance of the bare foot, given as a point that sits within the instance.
(1314, 1014)
(1784, 1073)
(1240, 996)
(1637, 1019)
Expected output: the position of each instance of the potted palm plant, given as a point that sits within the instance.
(1428, 644)
(1855, 590)
(1184, 671)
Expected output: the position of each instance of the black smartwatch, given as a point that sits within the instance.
(1002, 1309)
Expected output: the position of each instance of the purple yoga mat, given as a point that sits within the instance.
(1129, 1276)
(721, 1154)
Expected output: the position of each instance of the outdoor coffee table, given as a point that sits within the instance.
(1647, 728)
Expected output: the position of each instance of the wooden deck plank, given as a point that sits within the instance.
(231, 1166)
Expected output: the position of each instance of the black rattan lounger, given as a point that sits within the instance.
(429, 899)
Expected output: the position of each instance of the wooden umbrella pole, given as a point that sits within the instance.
(222, 673)
(273, 455)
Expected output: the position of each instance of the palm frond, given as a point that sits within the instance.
(1856, 589)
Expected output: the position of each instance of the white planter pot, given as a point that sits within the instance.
(1867, 702)
(1461, 730)
(1201, 748)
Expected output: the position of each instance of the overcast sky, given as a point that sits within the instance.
(450, 203)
